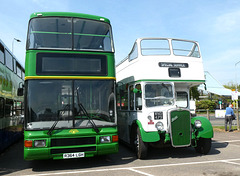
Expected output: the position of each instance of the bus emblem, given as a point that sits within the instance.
(174, 118)
(73, 131)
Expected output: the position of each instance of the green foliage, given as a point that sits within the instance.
(231, 86)
(206, 104)
(194, 94)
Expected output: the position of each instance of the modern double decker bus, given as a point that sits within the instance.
(70, 104)
(11, 105)
(153, 96)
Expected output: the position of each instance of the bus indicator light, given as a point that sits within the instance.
(115, 138)
(28, 143)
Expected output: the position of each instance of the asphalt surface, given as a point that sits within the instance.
(223, 160)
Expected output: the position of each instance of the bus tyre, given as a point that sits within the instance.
(203, 145)
(140, 146)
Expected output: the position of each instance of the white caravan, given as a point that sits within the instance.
(153, 98)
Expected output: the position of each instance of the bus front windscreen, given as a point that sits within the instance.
(72, 103)
(158, 94)
(65, 33)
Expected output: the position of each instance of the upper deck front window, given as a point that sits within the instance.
(69, 34)
(155, 47)
(185, 48)
(162, 47)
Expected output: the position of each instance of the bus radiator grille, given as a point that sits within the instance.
(180, 128)
(73, 141)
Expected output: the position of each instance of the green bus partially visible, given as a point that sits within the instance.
(70, 104)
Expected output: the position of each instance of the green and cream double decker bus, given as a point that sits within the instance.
(11, 105)
(70, 105)
(153, 99)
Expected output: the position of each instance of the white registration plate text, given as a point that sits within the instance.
(73, 155)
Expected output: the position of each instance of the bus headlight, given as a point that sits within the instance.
(198, 123)
(159, 126)
(105, 139)
(40, 143)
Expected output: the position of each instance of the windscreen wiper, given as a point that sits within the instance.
(52, 127)
(81, 107)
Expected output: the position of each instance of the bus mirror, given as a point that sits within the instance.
(136, 91)
(20, 89)
(20, 92)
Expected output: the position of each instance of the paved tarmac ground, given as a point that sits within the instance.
(223, 160)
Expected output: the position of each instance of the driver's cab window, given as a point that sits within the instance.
(182, 99)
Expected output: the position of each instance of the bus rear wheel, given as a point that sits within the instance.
(203, 145)
(141, 147)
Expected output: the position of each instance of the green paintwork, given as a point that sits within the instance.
(69, 14)
(30, 64)
(206, 131)
(34, 153)
(9, 83)
(180, 128)
(148, 136)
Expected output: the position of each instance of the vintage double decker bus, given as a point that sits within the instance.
(70, 105)
(153, 99)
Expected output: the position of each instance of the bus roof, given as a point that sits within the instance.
(69, 14)
(5, 46)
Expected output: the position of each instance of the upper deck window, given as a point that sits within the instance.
(69, 34)
(185, 48)
(1, 54)
(134, 53)
(91, 35)
(155, 47)
(9, 60)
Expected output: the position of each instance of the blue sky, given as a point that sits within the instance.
(214, 24)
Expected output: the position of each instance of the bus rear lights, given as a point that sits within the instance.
(40, 143)
(105, 139)
(159, 126)
(198, 123)
(28, 143)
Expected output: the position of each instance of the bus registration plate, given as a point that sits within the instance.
(73, 155)
(158, 115)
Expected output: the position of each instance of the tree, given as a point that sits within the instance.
(206, 104)
(194, 94)
(231, 86)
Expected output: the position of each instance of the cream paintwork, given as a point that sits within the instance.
(146, 69)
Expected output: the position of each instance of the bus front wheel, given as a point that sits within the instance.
(203, 145)
(140, 146)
